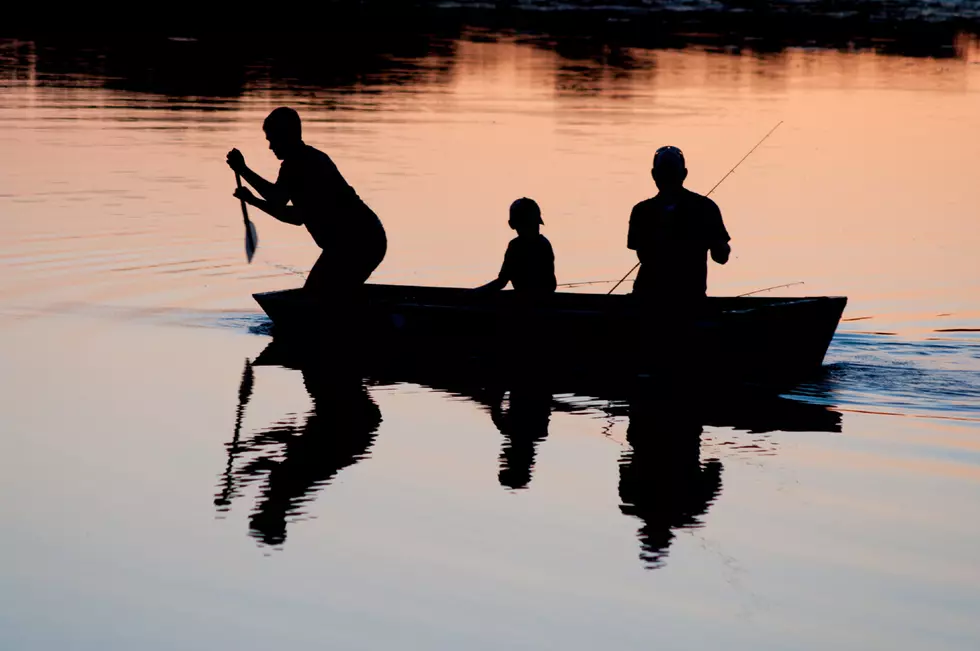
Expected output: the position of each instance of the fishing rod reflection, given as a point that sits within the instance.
(667, 479)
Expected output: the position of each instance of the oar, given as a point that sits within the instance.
(623, 279)
(251, 237)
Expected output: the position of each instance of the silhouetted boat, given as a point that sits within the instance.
(753, 338)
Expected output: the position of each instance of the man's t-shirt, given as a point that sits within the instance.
(529, 265)
(332, 212)
(672, 242)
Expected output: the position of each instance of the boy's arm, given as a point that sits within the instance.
(494, 285)
(499, 282)
(502, 278)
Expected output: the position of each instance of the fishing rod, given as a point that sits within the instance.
(759, 291)
(621, 280)
(587, 282)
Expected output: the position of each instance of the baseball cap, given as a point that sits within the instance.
(525, 209)
(669, 157)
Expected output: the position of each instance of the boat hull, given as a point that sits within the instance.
(748, 338)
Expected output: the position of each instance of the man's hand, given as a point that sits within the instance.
(245, 195)
(720, 253)
(236, 161)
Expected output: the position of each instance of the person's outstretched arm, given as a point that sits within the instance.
(494, 285)
(502, 278)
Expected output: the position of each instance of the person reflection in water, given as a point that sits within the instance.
(672, 234)
(338, 432)
(662, 480)
(311, 192)
(523, 424)
(529, 263)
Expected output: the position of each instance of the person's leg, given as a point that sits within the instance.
(322, 274)
(367, 261)
(317, 286)
(644, 328)
(340, 274)
(334, 283)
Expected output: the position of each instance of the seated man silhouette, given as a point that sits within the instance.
(349, 233)
(672, 234)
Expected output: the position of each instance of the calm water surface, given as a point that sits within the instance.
(159, 491)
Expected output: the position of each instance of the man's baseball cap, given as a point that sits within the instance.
(669, 158)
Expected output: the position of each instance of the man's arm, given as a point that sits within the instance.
(272, 192)
(720, 252)
(718, 237)
(287, 214)
(634, 237)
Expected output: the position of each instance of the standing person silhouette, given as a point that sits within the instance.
(672, 234)
(311, 192)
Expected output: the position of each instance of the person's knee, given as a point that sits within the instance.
(371, 263)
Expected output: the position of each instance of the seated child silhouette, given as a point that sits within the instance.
(529, 263)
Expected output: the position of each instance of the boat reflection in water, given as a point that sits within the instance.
(663, 480)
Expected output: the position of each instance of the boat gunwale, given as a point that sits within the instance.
(293, 295)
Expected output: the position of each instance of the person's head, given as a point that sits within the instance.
(525, 216)
(283, 131)
(669, 169)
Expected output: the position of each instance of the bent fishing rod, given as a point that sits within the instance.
(623, 279)
(766, 289)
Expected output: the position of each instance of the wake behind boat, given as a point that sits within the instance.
(744, 338)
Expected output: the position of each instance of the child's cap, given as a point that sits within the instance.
(525, 210)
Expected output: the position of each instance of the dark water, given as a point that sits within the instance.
(167, 484)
